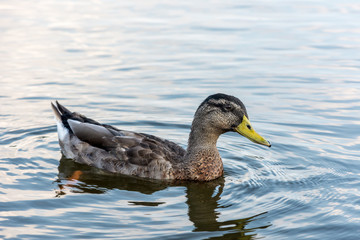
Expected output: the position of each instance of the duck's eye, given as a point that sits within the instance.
(228, 107)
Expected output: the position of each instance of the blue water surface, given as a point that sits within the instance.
(146, 66)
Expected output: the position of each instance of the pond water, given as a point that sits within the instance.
(146, 66)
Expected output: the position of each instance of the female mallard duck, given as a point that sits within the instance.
(119, 151)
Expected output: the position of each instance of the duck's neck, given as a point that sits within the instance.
(202, 158)
(201, 137)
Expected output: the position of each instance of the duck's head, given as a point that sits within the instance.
(224, 113)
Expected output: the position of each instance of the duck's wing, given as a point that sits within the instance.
(107, 147)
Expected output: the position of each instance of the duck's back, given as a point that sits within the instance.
(108, 148)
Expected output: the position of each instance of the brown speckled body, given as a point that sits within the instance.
(119, 151)
(204, 165)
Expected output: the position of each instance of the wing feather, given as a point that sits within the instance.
(116, 150)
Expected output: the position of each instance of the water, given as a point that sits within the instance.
(145, 66)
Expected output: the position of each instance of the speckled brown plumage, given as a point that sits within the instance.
(119, 151)
(204, 165)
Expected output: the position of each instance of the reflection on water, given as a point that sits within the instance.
(93, 180)
(202, 198)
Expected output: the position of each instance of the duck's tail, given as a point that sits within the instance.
(62, 114)
(74, 124)
(56, 111)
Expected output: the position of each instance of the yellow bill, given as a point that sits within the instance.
(245, 129)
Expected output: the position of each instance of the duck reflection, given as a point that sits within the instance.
(202, 197)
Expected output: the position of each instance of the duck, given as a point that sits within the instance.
(106, 147)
